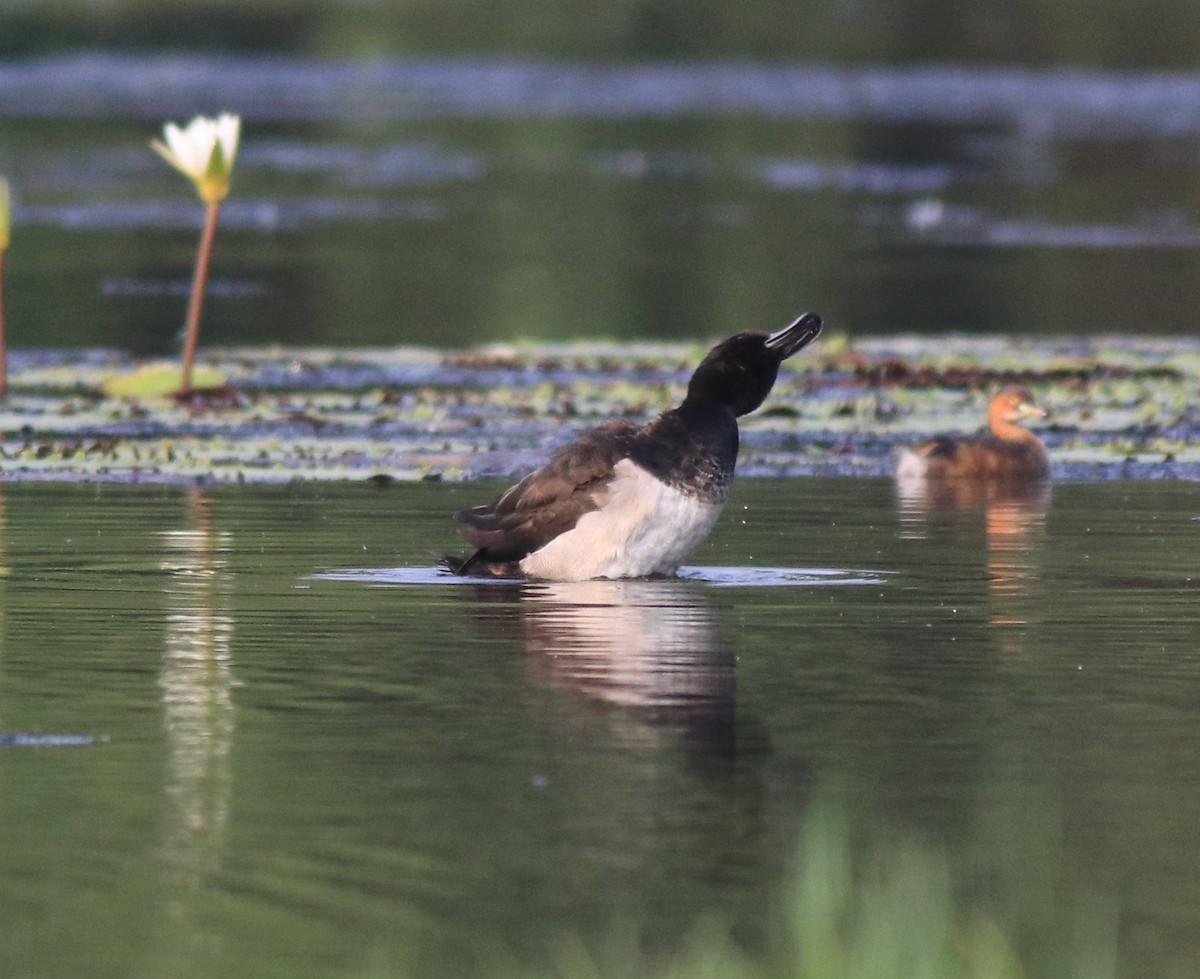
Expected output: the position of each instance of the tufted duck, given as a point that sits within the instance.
(625, 500)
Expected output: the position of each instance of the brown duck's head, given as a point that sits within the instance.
(1010, 406)
(740, 371)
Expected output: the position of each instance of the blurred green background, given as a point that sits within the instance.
(455, 172)
(1107, 34)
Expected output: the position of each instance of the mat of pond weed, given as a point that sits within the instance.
(1116, 408)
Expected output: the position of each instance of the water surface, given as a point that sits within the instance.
(444, 198)
(303, 767)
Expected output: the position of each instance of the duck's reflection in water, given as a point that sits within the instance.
(640, 643)
(643, 706)
(647, 650)
(1013, 528)
(650, 647)
(1015, 531)
(196, 681)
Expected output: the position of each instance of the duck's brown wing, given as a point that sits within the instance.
(943, 447)
(985, 456)
(549, 501)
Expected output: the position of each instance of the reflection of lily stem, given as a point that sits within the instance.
(192, 330)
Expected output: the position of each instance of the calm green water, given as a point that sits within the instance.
(987, 711)
(447, 173)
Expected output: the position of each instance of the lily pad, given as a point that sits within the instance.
(159, 381)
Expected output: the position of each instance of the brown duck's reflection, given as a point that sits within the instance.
(1014, 529)
(196, 681)
(921, 494)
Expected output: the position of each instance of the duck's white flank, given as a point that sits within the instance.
(642, 527)
(912, 465)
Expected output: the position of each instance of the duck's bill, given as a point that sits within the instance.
(795, 336)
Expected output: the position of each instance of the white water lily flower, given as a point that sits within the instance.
(203, 152)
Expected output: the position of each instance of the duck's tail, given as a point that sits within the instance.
(478, 565)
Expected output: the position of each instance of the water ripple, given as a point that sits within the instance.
(1040, 102)
(260, 214)
(722, 577)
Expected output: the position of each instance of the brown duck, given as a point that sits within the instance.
(1005, 452)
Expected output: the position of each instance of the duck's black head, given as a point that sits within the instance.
(740, 371)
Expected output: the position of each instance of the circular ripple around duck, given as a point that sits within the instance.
(721, 577)
(738, 577)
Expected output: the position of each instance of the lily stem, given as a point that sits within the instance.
(3, 346)
(196, 300)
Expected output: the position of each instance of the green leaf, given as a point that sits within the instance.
(159, 381)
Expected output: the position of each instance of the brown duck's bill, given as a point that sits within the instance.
(795, 336)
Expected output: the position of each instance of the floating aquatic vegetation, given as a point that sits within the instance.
(160, 381)
(1116, 408)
